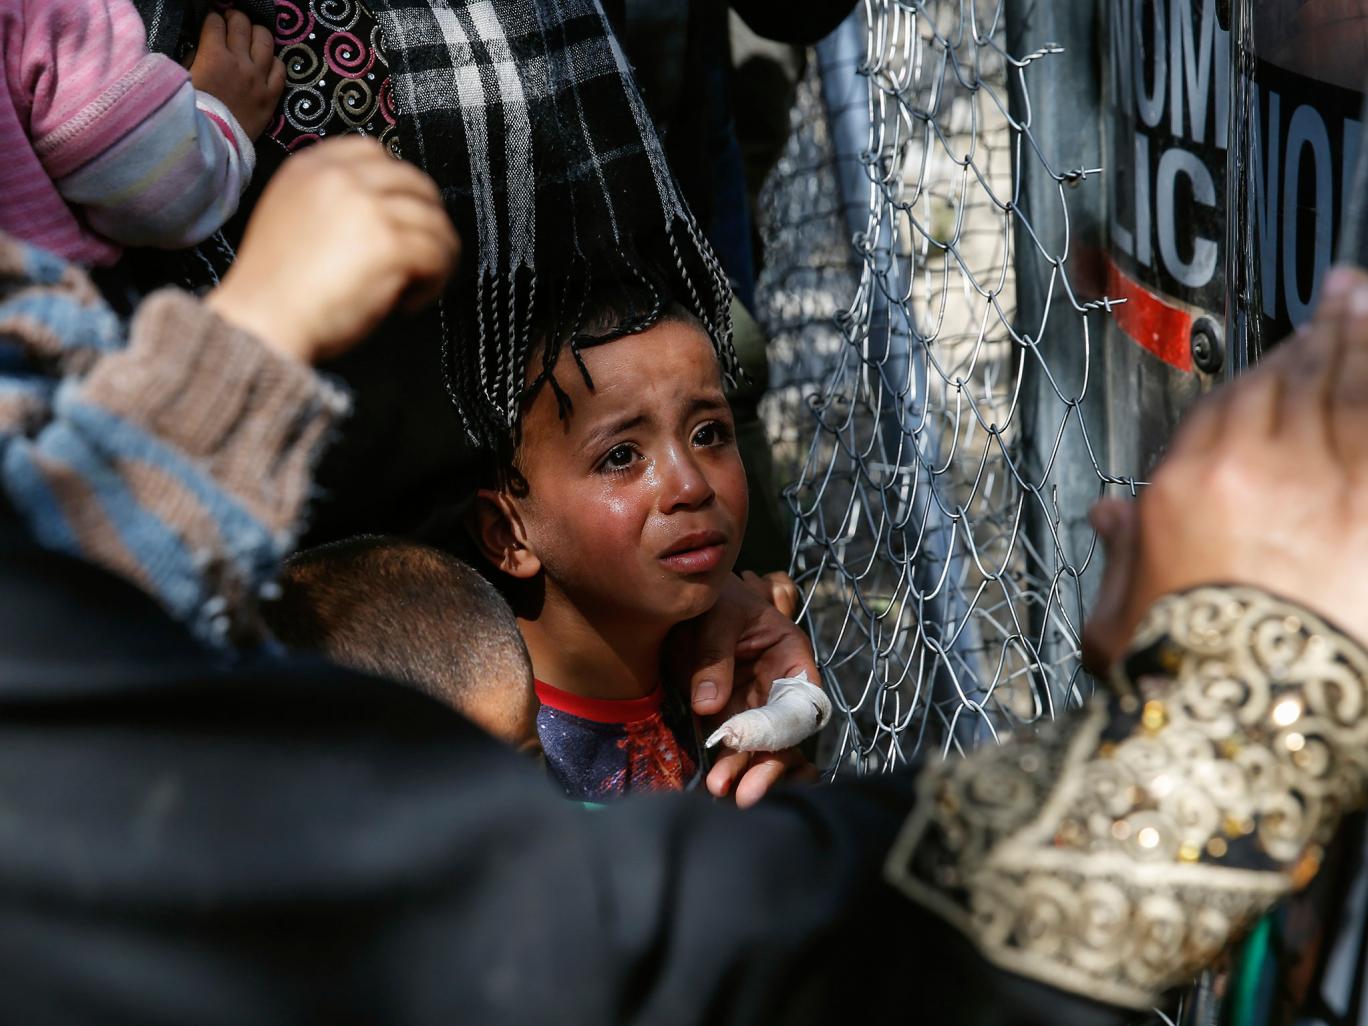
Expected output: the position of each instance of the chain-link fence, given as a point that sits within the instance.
(935, 389)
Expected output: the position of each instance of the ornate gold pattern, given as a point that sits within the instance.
(1114, 854)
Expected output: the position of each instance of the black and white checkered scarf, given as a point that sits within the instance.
(526, 114)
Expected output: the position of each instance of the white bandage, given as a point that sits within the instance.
(796, 709)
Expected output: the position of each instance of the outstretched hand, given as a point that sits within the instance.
(735, 651)
(1266, 484)
(343, 234)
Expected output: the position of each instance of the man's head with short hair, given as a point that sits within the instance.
(415, 614)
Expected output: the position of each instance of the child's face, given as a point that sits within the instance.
(636, 501)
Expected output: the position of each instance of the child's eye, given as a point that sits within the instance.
(712, 433)
(619, 458)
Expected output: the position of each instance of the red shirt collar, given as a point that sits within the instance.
(600, 710)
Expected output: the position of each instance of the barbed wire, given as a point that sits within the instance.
(938, 448)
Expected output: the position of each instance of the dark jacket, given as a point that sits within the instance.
(182, 842)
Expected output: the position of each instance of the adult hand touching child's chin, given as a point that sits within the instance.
(1265, 484)
(359, 234)
(732, 653)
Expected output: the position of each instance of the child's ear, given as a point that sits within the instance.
(501, 536)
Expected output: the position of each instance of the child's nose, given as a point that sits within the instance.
(683, 483)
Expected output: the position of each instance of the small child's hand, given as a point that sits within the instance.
(236, 64)
(343, 234)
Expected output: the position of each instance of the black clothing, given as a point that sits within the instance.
(283, 842)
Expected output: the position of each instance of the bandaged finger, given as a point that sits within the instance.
(796, 710)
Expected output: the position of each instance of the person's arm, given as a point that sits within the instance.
(123, 133)
(1118, 855)
(181, 457)
(1093, 866)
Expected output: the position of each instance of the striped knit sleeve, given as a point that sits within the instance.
(172, 181)
(122, 132)
(181, 460)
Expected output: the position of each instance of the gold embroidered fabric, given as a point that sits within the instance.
(1116, 853)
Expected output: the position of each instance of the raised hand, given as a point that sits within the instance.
(1266, 484)
(342, 235)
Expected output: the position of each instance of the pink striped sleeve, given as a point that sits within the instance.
(171, 182)
(88, 78)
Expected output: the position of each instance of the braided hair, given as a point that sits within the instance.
(526, 114)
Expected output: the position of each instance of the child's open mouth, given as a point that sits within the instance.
(698, 552)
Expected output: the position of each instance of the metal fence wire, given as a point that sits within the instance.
(937, 420)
